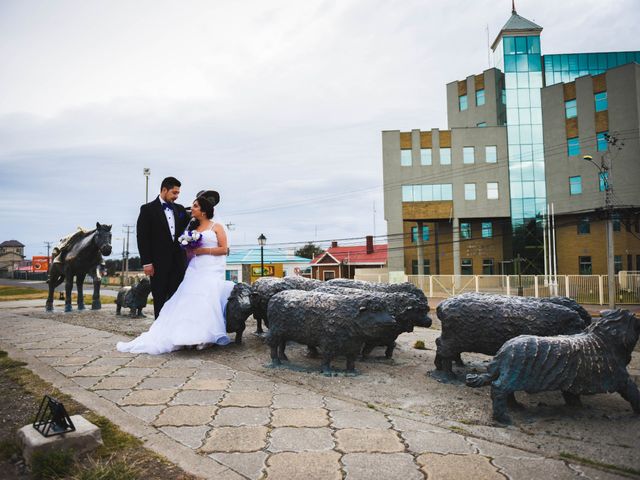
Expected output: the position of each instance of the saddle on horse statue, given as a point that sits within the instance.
(59, 252)
(78, 254)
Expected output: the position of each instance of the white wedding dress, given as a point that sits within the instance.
(195, 313)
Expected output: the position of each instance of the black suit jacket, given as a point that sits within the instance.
(155, 243)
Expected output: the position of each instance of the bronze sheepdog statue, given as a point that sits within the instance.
(594, 361)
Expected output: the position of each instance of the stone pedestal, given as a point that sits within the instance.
(87, 437)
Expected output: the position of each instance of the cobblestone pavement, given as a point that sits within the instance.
(218, 422)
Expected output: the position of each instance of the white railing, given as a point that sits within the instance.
(588, 289)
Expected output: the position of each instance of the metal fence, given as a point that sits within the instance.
(588, 289)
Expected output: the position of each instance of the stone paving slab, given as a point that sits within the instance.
(387, 466)
(218, 422)
(301, 439)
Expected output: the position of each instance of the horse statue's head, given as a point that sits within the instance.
(102, 238)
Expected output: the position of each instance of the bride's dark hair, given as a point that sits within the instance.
(206, 206)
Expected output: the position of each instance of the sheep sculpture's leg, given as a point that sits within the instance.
(281, 355)
(351, 363)
(572, 399)
(326, 364)
(513, 403)
(499, 399)
(366, 350)
(388, 353)
(274, 355)
(631, 394)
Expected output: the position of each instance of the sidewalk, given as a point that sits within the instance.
(218, 422)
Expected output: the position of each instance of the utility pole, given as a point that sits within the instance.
(48, 245)
(604, 179)
(125, 260)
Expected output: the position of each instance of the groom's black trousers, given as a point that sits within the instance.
(164, 284)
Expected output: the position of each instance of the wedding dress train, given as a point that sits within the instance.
(195, 313)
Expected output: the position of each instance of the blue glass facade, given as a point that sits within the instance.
(566, 67)
(523, 80)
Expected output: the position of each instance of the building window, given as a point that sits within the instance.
(570, 109)
(445, 156)
(425, 156)
(466, 266)
(469, 191)
(427, 193)
(462, 102)
(602, 142)
(615, 219)
(328, 275)
(465, 231)
(573, 146)
(604, 181)
(487, 230)
(617, 263)
(481, 124)
(575, 185)
(584, 226)
(602, 103)
(492, 191)
(405, 158)
(491, 153)
(414, 234)
(480, 97)
(487, 266)
(426, 267)
(468, 155)
(584, 266)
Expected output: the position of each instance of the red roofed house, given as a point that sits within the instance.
(341, 262)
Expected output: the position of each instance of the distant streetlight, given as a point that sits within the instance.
(262, 240)
(147, 173)
(605, 180)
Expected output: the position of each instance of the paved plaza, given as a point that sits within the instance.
(218, 422)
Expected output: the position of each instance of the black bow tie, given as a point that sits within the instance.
(167, 206)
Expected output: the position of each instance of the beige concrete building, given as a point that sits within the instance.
(471, 199)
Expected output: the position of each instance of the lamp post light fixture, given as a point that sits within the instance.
(605, 180)
(147, 173)
(262, 240)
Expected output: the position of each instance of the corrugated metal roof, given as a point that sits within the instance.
(516, 22)
(271, 255)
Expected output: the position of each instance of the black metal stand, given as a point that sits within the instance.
(52, 418)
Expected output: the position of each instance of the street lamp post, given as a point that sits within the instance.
(147, 173)
(604, 178)
(262, 240)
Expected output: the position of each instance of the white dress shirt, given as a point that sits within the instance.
(170, 214)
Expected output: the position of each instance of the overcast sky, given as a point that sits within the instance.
(277, 104)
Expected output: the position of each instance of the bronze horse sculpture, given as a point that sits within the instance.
(79, 254)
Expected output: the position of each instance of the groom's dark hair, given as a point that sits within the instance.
(169, 183)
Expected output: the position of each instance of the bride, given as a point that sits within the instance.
(194, 315)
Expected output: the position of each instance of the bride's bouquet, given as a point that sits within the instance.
(190, 239)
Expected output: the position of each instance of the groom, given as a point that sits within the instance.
(159, 225)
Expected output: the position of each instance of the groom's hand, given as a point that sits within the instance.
(148, 270)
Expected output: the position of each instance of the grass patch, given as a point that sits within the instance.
(114, 439)
(8, 448)
(8, 292)
(595, 463)
(110, 469)
(419, 345)
(122, 457)
(53, 464)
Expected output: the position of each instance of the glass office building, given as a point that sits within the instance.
(566, 67)
(518, 54)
